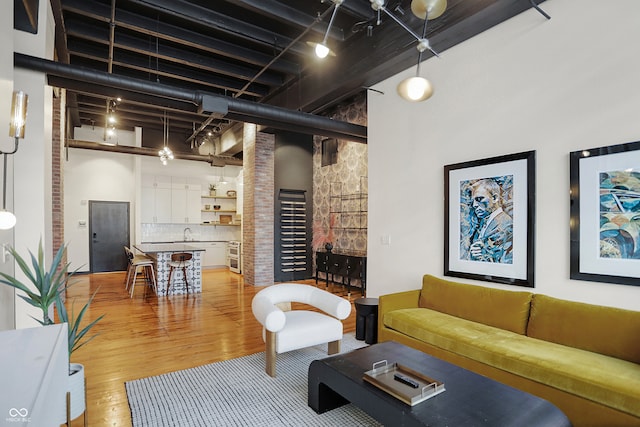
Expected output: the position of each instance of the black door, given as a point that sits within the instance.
(108, 234)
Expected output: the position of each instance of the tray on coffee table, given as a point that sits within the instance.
(403, 383)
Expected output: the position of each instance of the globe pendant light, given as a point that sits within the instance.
(415, 89)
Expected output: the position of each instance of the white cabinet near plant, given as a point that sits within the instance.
(215, 254)
(156, 199)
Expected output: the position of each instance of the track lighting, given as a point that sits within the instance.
(417, 88)
(321, 49)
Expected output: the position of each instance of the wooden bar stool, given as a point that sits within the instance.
(180, 260)
(137, 262)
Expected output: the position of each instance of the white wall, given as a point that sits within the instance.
(553, 86)
(7, 294)
(32, 196)
(93, 175)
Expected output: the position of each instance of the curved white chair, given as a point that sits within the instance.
(285, 330)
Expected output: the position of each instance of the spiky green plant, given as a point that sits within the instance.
(47, 285)
(76, 332)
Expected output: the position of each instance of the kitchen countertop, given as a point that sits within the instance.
(169, 247)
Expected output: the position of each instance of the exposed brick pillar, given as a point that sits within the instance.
(258, 206)
(57, 185)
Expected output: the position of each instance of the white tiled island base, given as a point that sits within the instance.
(162, 256)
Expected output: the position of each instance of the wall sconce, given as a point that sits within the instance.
(17, 127)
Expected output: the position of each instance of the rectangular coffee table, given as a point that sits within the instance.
(469, 399)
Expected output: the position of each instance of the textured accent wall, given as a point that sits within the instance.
(347, 176)
(258, 211)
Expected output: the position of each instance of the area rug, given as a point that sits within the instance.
(238, 392)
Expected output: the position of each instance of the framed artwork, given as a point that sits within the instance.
(605, 214)
(489, 214)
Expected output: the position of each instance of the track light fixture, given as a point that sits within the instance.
(423, 9)
(321, 49)
(17, 126)
(417, 89)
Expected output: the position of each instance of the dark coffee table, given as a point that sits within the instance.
(469, 400)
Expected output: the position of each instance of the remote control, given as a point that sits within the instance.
(406, 380)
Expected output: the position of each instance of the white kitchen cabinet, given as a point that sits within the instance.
(156, 199)
(185, 201)
(215, 254)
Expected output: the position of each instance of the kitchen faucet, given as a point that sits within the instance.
(184, 235)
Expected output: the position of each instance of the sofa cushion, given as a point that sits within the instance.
(593, 376)
(494, 307)
(606, 330)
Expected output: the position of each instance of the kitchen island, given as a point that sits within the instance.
(161, 253)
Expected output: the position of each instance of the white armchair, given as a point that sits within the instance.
(285, 330)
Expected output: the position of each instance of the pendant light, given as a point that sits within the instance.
(321, 49)
(166, 153)
(417, 88)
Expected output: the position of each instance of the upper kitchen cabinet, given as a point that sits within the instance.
(156, 199)
(185, 200)
(170, 200)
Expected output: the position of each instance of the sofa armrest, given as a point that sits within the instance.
(390, 302)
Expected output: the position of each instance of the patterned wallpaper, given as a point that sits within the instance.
(348, 177)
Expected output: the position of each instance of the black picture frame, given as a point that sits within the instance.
(509, 258)
(605, 214)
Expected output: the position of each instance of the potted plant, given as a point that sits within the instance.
(45, 288)
(212, 190)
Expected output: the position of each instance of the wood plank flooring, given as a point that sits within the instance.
(146, 335)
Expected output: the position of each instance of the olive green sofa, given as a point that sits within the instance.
(583, 358)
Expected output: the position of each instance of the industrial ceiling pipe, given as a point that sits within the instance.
(142, 151)
(261, 114)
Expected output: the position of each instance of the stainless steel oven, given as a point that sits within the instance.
(234, 256)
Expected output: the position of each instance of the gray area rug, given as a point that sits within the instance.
(238, 392)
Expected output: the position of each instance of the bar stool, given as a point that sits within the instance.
(179, 260)
(137, 262)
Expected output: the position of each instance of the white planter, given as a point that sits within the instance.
(75, 386)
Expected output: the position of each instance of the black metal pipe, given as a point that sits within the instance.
(261, 114)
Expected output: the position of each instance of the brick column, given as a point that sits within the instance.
(57, 184)
(258, 209)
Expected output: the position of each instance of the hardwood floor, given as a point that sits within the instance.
(146, 335)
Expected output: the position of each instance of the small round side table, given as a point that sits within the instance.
(367, 319)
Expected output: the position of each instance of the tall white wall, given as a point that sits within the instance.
(32, 196)
(553, 86)
(7, 294)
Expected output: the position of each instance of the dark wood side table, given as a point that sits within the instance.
(367, 319)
